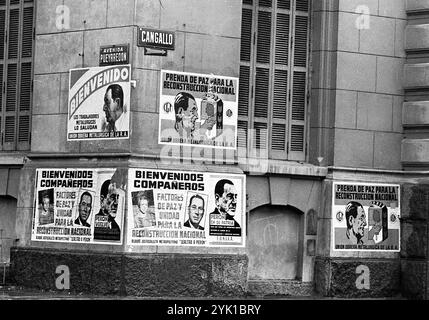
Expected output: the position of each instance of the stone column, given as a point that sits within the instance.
(414, 241)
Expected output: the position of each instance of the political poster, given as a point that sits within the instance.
(79, 206)
(99, 102)
(366, 217)
(198, 110)
(173, 208)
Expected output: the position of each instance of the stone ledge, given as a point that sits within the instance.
(415, 151)
(417, 37)
(266, 166)
(415, 113)
(291, 288)
(417, 6)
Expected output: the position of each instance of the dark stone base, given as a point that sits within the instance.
(151, 275)
(414, 279)
(280, 288)
(337, 278)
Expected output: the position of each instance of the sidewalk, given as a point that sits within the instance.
(16, 293)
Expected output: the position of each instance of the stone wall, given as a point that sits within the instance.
(415, 253)
(154, 275)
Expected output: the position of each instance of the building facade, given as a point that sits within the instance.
(321, 130)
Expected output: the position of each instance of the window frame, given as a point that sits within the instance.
(20, 138)
(248, 122)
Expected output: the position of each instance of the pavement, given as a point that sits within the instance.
(18, 293)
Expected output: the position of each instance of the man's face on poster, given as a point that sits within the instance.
(85, 206)
(143, 205)
(110, 202)
(227, 203)
(359, 223)
(196, 211)
(46, 202)
(110, 107)
(189, 116)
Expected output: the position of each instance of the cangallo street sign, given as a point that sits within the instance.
(156, 39)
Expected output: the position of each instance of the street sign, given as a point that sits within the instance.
(156, 39)
(114, 55)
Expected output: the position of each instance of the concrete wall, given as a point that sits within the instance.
(205, 43)
(415, 249)
(357, 83)
(369, 85)
(7, 227)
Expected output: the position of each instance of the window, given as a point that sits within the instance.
(16, 52)
(273, 76)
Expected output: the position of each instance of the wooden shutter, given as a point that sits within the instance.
(273, 76)
(279, 126)
(246, 56)
(2, 54)
(298, 117)
(16, 67)
(26, 79)
(262, 74)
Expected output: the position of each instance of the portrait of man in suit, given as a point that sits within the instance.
(195, 212)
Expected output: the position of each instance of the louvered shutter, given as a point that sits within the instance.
(26, 80)
(297, 124)
(2, 55)
(24, 107)
(244, 96)
(10, 112)
(273, 84)
(279, 126)
(16, 72)
(262, 86)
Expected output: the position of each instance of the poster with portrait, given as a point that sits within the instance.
(174, 208)
(198, 110)
(79, 206)
(366, 217)
(99, 103)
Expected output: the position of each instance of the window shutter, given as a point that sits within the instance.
(13, 39)
(265, 3)
(261, 93)
(243, 134)
(244, 91)
(12, 76)
(2, 48)
(24, 117)
(273, 76)
(246, 35)
(283, 4)
(27, 33)
(16, 50)
(302, 5)
(297, 125)
(260, 136)
(1, 97)
(246, 53)
(262, 78)
(280, 93)
(10, 112)
(24, 107)
(2, 32)
(264, 37)
(1, 89)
